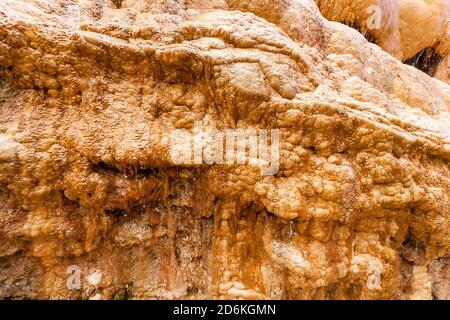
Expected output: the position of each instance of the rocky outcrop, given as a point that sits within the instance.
(93, 203)
(377, 20)
(414, 31)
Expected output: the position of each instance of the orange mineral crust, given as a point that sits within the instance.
(131, 149)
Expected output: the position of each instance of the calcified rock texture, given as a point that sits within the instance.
(415, 31)
(89, 90)
(377, 20)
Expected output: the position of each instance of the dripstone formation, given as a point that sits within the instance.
(93, 204)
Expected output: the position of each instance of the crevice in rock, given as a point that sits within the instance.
(117, 3)
(426, 61)
(103, 167)
(116, 212)
(69, 202)
(413, 250)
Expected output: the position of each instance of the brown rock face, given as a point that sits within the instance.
(414, 31)
(96, 97)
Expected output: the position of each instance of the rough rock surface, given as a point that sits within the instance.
(360, 205)
(415, 31)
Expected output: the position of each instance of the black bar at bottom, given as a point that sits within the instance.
(219, 309)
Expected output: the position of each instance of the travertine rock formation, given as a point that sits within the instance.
(415, 31)
(89, 93)
(377, 20)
